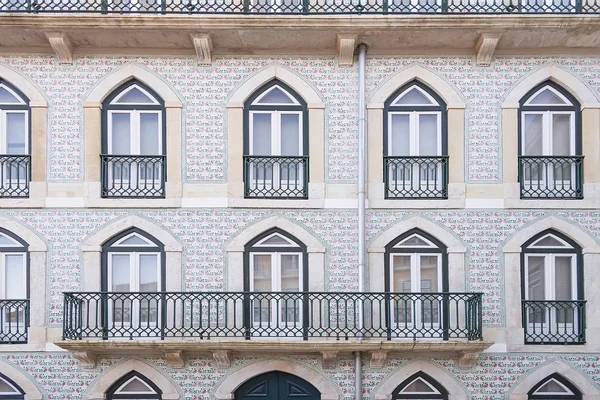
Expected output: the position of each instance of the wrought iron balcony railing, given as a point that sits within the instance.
(15, 174)
(296, 7)
(554, 322)
(276, 177)
(551, 177)
(14, 321)
(415, 177)
(126, 176)
(273, 314)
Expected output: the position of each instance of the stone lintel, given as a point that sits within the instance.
(378, 359)
(175, 359)
(329, 359)
(62, 46)
(485, 47)
(222, 358)
(345, 46)
(86, 358)
(203, 45)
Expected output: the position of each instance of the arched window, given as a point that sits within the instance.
(133, 261)
(14, 288)
(554, 387)
(275, 143)
(133, 142)
(9, 390)
(416, 273)
(550, 143)
(15, 137)
(134, 386)
(415, 144)
(420, 386)
(276, 261)
(552, 289)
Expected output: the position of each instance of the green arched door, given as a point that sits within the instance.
(277, 385)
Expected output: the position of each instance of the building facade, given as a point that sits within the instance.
(181, 200)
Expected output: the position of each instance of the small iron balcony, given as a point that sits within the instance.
(554, 322)
(14, 321)
(248, 315)
(276, 177)
(415, 177)
(126, 176)
(551, 177)
(15, 175)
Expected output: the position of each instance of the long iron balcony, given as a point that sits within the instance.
(247, 315)
(302, 6)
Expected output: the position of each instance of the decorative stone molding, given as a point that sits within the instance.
(345, 47)
(385, 389)
(97, 390)
(31, 390)
(175, 359)
(36, 99)
(33, 240)
(587, 388)
(378, 359)
(467, 359)
(485, 47)
(86, 358)
(203, 45)
(62, 46)
(222, 358)
(329, 359)
(226, 390)
(584, 95)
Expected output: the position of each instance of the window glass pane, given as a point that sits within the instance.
(149, 134)
(135, 96)
(6, 388)
(553, 387)
(418, 386)
(400, 135)
(120, 273)
(6, 241)
(413, 97)
(549, 241)
(563, 282)
(561, 135)
(290, 273)
(261, 127)
(148, 273)
(15, 277)
(429, 274)
(536, 278)
(276, 240)
(401, 281)
(15, 133)
(546, 97)
(290, 134)
(276, 96)
(414, 241)
(7, 97)
(121, 134)
(262, 272)
(428, 135)
(135, 240)
(533, 135)
(135, 386)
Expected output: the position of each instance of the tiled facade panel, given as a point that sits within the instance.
(60, 377)
(204, 91)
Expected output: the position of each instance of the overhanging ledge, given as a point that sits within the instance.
(176, 350)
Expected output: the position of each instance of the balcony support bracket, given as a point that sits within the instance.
(378, 359)
(204, 46)
(62, 46)
(485, 47)
(175, 359)
(345, 46)
(467, 359)
(222, 358)
(86, 358)
(329, 359)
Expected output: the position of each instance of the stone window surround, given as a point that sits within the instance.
(226, 390)
(235, 252)
(587, 389)
(235, 139)
(590, 116)
(92, 109)
(513, 333)
(39, 122)
(24, 382)
(98, 390)
(37, 248)
(456, 139)
(385, 389)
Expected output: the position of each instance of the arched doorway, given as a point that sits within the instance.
(277, 385)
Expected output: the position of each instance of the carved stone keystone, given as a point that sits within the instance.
(345, 46)
(485, 47)
(329, 359)
(222, 358)
(86, 358)
(203, 45)
(62, 46)
(175, 359)
(467, 359)
(378, 359)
